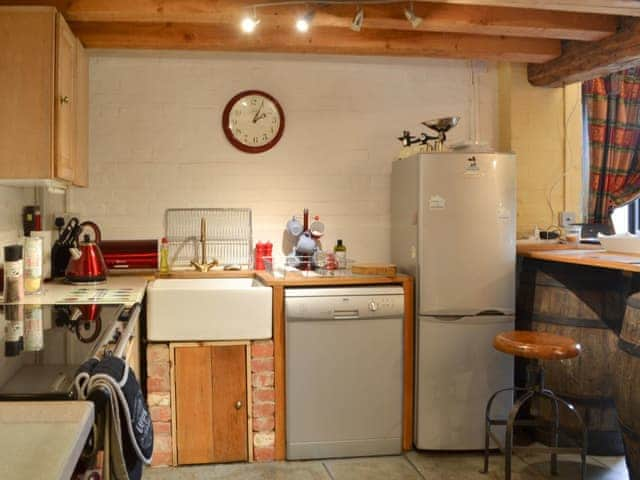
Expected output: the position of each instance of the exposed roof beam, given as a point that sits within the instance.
(326, 40)
(607, 7)
(582, 61)
(438, 17)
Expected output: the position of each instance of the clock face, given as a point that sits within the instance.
(253, 121)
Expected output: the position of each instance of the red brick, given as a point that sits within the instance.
(262, 348)
(162, 443)
(158, 385)
(260, 365)
(263, 409)
(264, 454)
(158, 353)
(264, 424)
(161, 459)
(160, 414)
(264, 395)
(158, 370)
(161, 427)
(262, 380)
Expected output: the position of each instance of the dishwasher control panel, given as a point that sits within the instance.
(350, 304)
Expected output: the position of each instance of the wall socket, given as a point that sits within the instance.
(566, 219)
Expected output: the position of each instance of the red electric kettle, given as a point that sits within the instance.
(86, 264)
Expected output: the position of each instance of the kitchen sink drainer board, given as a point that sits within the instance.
(229, 235)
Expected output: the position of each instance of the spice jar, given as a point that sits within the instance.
(13, 274)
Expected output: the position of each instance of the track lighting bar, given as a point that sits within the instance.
(303, 23)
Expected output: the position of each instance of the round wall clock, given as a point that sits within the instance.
(253, 121)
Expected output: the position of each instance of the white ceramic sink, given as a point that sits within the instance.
(208, 309)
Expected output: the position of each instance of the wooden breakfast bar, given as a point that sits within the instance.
(592, 296)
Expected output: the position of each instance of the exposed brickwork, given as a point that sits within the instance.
(264, 454)
(262, 365)
(263, 421)
(159, 400)
(262, 380)
(262, 349)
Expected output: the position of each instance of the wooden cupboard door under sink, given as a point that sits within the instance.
(64, 101)
(211, 409)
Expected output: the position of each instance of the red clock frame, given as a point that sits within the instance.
(228, 131)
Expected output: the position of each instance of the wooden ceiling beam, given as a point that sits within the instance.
(323, 40)
(607, 7)
(437, 17)
(583, 61)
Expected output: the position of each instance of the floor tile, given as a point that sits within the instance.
(468, 466)
(570, 469)
(617, 464)
(569, 466)
(372, 468)
(242, 471)
(412, 466)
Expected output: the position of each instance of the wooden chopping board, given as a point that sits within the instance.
(387, 269)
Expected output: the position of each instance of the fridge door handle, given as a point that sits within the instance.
(489, 313)
(449, 318)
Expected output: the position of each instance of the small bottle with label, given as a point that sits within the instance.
(164, 255)
(13, 274)
(341, 254)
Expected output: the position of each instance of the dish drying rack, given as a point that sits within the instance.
(281, 267)
(229, 235)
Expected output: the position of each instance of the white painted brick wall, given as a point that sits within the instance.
(156, 139)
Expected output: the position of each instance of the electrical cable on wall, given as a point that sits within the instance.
(554, 226)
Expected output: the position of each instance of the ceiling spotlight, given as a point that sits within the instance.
(249, 23)
(303, 23)
(413, 19)
(358, 19)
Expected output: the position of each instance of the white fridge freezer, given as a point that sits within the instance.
(453, 228)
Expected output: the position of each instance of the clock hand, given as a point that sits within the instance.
(256, 117)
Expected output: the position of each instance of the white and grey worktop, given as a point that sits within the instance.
(117, 289)
(42, 440)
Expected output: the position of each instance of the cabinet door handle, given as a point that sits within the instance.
(238, 405)
(64, 99)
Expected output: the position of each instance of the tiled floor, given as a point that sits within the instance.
(411, 466)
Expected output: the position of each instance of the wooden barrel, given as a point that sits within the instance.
(586, 306)
(627, 384)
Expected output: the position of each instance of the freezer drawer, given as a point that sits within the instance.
(457, 371)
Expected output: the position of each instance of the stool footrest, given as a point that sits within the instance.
(516, 448)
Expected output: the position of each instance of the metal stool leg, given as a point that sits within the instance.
(508, 440)
(487, 424)
(583, 427)
(487, 427)
(556, 430)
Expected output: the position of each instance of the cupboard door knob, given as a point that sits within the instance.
(238, 405)
(64, 99)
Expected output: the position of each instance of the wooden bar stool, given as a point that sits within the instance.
(538, 346)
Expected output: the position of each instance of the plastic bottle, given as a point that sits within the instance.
(13, 274)
(164, 255)
(33, 253)
(341, 254)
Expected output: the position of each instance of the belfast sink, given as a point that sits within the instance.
(208, 309)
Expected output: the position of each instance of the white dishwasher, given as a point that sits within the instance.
(344, 371)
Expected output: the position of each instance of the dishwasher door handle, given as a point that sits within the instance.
(346, 314)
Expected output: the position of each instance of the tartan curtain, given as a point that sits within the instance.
(612, 108)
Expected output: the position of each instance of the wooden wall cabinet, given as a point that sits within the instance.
(210, 403)
(43, 98)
